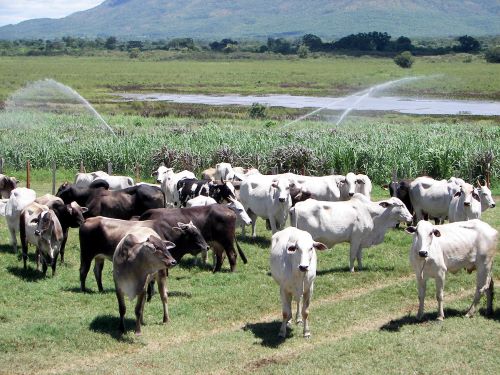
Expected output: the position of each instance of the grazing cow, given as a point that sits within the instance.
(432, 197)
(486, 198)
(359, 221)
(85, 179)
(7, 184)
(189, 188)
(401, 189)
(465, 204)
(19, 199)
(267, 197)
(437, 249)
(140, 256)
(39, 226)
(293, 267)
(99, 237)
(355, 183)
(323, 188)
(216, 222)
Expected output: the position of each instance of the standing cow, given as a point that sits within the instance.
(437, 249)
(465, 204)
(359, 221)
(140, 256)
(355, 183)
(293, 267)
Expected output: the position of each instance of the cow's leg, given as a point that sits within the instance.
(98, 266)
(230, 252)
(84, 270)
(63, 244)
(439, 294)
(13, 238)
(353, 254)
(219, 256)
(306, 299)
(422, 285)
(286, 302)
(254, 223)
(272, 223)
(358, 257)
(162, 288)
(139, 312)
(121, 308)
(482, 285)
(24, 247)
(53, 266)
(298, 316)
(37, 257)
(44, 263)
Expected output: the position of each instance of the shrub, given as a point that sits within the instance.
(404, 59)
(257, 111)
(303, 51)
(492, 55)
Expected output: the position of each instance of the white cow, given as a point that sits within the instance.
(225, 171)
(293, 266)
(432, 197)
(85, 179)
(19, 199)
(168, 180)
(355, 183)
(40, 226)
(465, 204)
(267, 197)
(323, 188)
(437, 249)
(486, 198)
(359, 221)
(117, 182)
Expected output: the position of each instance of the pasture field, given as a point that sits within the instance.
(228, 323)
(458, 76)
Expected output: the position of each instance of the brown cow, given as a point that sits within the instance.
(7, 184)
(140, 256)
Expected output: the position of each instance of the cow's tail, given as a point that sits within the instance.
(242, 255)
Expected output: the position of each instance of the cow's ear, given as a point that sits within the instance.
(458, 193)
(411, 230)
(384, 204)
(169, 244)
(475, 195)
(436, 233)
(84, 209)
(319, 246)
(292, 248)
(385, 186)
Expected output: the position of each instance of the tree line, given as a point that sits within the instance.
(376, 43)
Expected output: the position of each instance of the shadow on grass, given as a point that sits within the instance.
(408, 320)
(190, 263)
(29, 274)
(109, 324)
(176, 293)
(345, 269)
(259, 240)
(87, 291)
(7, 249)
(267, 332)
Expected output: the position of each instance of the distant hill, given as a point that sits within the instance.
(210, 19)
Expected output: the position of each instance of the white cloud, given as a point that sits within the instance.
(14, 11)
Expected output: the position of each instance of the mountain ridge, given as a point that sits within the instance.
(211, 19)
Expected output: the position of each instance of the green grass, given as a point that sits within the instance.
(228, 323)
(96, 77)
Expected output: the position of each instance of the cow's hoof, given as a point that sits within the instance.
(419, 317)
(299, 321)
(307, 335)
(440, 318)
(138, 333)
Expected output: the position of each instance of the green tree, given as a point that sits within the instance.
(492, 55)
(467, 44)
(404, 59)
(312, 42)
(110, 43)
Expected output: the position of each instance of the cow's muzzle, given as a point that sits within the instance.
(38, 233)
(351, 194)
(282, 200)
(303, 268)
(492, 205)
(467, 204)
(423, 254)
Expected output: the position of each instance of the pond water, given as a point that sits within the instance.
(382, 103)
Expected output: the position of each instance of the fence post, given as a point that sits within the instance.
(28, 174)
(53, 178)
(332, 171)
(137, 173)
(82, 167)
(110, 168)
(257, 162)
(2, 161)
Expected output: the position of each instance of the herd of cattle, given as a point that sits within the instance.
(147, 228)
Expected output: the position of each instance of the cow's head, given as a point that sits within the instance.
(46, 228)
(239, 210)
(159, 251)
(222, 191)
(7, 184)
(161, 173)
(190, 234)
(486, 197)
(75, 213)
(350, 182)
(466, 194)
(396, 210)
(302, 252)
(423, 236)
(282, 188)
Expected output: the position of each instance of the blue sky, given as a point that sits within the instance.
(15, 11)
